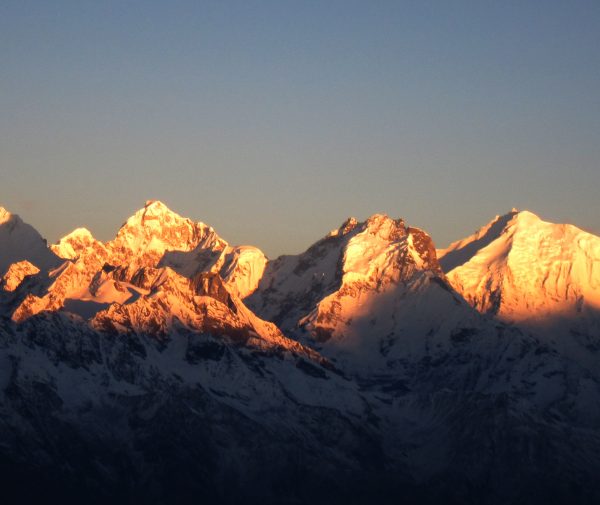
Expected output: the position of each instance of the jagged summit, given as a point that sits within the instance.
(347, 226)
(153, 209)
(157, 219)
(155, 229)
(156, 236)
(97, 273)
(356, 287)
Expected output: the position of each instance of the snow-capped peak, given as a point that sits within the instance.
(151, 210)
(362, 280)
(154, 230)
(79, 242)
(80, 233)
(523, 268)
(153, 237)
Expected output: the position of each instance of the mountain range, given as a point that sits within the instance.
(167, 366)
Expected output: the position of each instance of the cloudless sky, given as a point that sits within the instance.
(274, 121)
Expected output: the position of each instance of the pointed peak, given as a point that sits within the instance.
(156, 207)
(78, 233)
(153, 211)
(156, 204)
(526, 217)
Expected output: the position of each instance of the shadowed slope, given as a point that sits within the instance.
(461, 251)
(21, 242)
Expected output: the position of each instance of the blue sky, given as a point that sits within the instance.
(274, 121)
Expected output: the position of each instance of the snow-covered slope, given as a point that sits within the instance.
(154, 230)
(369, 294)
(542, 277)
(461, 251)
(16, 273)
(21, 242)
(528, 269)
(94, 274)
(80, 243)
(50, 291)
(202, 304)
(156, 236)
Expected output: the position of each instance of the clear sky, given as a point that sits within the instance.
(274, 121)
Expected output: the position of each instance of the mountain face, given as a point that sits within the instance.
(538, 275)
(80, 243)
(156, 236)
(21, 242)
(527, 268)
(16, 273)
(94, 274)
(167, 366)
(220, 408)
(370, 294)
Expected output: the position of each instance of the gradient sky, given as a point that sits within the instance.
(274, 121)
